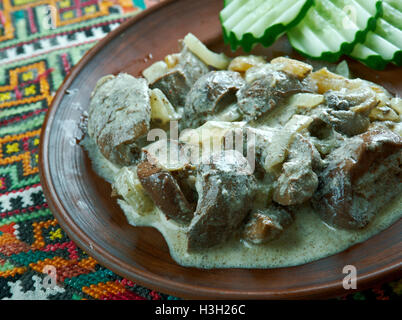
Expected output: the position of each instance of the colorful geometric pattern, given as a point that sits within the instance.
(35, 56)
(22, 19)
(40, 41)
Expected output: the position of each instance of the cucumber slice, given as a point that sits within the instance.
(247, 22)
(333, 27)
(384, 44)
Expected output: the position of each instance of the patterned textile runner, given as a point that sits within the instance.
(40, 41)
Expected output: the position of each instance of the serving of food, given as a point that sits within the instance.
(243, 162)
(200, 171)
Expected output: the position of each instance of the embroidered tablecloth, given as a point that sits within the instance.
(40, 41)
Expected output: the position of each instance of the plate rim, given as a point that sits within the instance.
(155, 282)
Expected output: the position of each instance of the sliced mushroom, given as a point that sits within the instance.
(348, 110)
(210, 95)
(119, 114)
(323, 136)
(267, 224)
(361, 176)
(347, 122)
(265, 89)
(345, 99)
(225, 188)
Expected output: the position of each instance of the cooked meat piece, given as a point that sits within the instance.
(175, 87)
(177, 83)
(322, 134)
(347, 122)
(164, 190)
(170, 155)
(297, 181)
(296, 184)
(212, 93)
(361, 176)
(313, 156)
(186, 179)
(119, 114)
(226, 189)
(192, 67)
(266, 225)
(267, 89)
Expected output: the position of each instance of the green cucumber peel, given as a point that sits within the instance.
(327, 31)
(383, 45)
(240, 30)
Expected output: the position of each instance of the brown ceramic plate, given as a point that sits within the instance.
(81, 201)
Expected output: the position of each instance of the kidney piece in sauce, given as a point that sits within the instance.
(226, 188)
(361, 176)
(267, 224)
(297, 182)
(119, 114)
(266, 88)
(178, 80)
(165, 191)
(210, 95)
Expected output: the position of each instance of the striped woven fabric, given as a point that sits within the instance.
(40, 41)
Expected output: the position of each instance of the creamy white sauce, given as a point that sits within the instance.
(306, 240)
